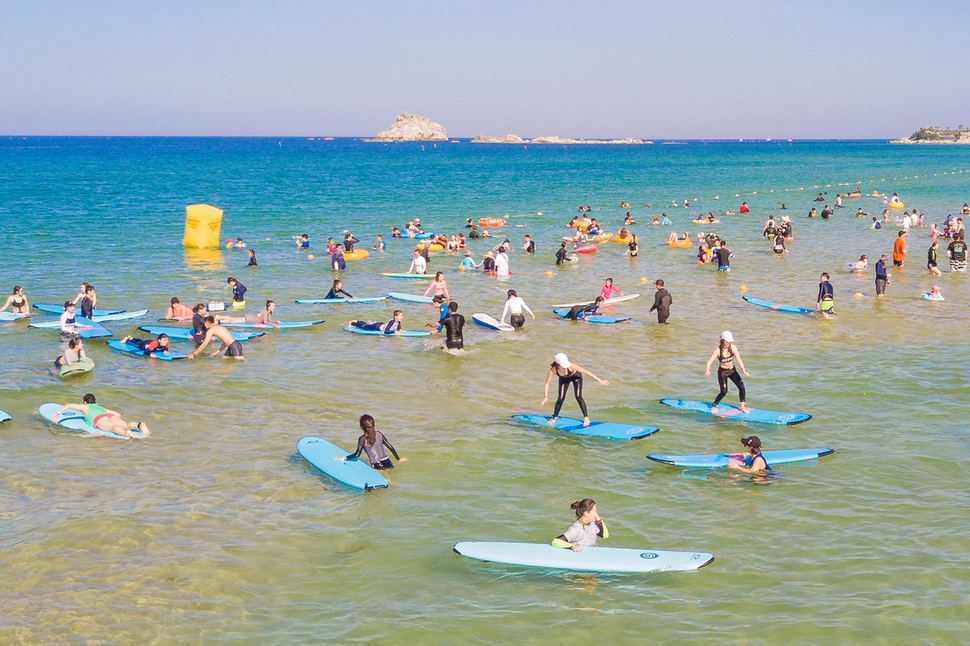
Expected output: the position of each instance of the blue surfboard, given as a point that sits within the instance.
(591, 559)
(778, 307)
(357, 330)
(726, 411)
(86, 328)
(59, 309)
(607, 430)
(120, 316)
(134, 350)
(409, 298)
(4, 417)
(720, 460)
(74, 420)
(491, 323)
(284, 325)
(409, 276)
(6, 317)
(596, 318)
(353, 473)
(188, 334)
(423, 236)
(339, 301)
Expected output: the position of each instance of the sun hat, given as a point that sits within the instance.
(752, 442)
(884, 257)
(562, 360)
(727, 336)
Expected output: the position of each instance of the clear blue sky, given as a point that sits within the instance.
(691, 69)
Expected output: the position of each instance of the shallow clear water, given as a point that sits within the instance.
(216, 529)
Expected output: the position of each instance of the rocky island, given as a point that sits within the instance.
(515, 139)
(411, 127)
(934, 135)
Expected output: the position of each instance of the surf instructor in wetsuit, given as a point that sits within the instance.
(453, 324)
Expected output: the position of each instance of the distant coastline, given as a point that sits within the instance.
(934, 135)
(515, 139)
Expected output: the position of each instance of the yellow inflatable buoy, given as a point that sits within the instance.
(860, 295)
(356, 254)
(643, 280)
(461, 267)
(548, 273)
(202, 224)
(742, 288)
(309, 256)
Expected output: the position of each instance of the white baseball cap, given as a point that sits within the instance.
(727, 336)
(562, 360)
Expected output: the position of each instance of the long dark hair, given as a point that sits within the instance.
(582, 506)
(370, 431)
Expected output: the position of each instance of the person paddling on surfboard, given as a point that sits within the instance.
(103, 419)
(569, 374)
(73, 354)
(754, 462)
(373, 442)
(394, 326)
(727, 354)
(587, 529)
(213, 330)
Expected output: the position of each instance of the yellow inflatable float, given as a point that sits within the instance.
(680, 243)
(619, 240)
(705, 221)
(895, 205)
(202, 224)
(603, 237)
(356, 254)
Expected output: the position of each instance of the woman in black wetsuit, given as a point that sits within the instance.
(568, 373)
(727, 355)
(337, 291)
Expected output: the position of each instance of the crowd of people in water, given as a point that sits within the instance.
(208, 322)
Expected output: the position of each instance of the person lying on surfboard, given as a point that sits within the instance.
(103, 419)
(265, 317)
(394, 326)
(587, 529)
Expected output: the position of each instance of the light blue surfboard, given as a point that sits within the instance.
(357, 330)
(778, 307)
(120, 316)
(410, 276)
(74, 420)
(591, 559)
(491, 323)
(353, 473)
(726, 411)
(284, 325)
(135, 351)
(86, 328)
(339, 301)
(59, 309)
(409, 298)
(4, 417)
(608, 430)
(596, 318)
(6, 317)
(720, 460)
(187, 334)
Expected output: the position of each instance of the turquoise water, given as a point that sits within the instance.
(216, 529)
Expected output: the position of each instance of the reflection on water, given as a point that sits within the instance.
(203, 259)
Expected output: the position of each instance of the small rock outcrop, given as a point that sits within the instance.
(933, 135)
(515, 139)
(411, 127)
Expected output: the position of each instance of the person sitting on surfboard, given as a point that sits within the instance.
(587, 529)
(178, 311)
(337, 290)
(160, 344)
(754, 462)
(213, 330)
(73, 354)
(265, 317)
(373, 442)
(569, 374)
(103, 419)
(727, 355)
(391, 327)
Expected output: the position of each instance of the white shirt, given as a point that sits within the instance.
(515, 305)
(502, 264)
(67, 328)
(418, 266)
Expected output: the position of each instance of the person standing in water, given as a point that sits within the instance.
(454, 324)
(17, 302)
(931, 264)
(826, 296)
(754, 463)
(899, 250)
(561, 255)
(723, 255)
(587, 529)
(213, 330)
(252, 258)
(238, 293)
(727, 355)
(514, 307)
(661, 302)
(882, 276)
(103, 419)
(957, 252)
(373, 443)
(568, 374)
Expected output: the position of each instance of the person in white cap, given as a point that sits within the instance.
(568, 373)
(727, 355)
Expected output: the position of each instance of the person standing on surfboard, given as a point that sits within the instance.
(373, 442)
(727, 354)
(569, 374)
(587, 529)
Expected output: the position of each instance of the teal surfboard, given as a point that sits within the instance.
(409, 298)
(591, 559)
(188, 334)
(6, 317)
(353, 473)
(78, 368)
(607, 430)
(410, 276)
(726, 411)
(778, 307)
(284, 325)
(135, 351)
(74, 420)
(120, 316)
(339, 301)
(59, 309)
(596, 318)
(357, 330)
(720, 460)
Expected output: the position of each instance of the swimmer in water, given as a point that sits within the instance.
(103, 419)
(754, 462)
(569, 374)
(373, 443)
(252, 258)
(860, 265)
(265, 317)
(587, 529)
(177, 311)
(302, 242)
(628, 220)
(394, 326)
(727, 355)
(337, 291)
(213, 330)
(240, 244)
(609, 289)
(17, 302)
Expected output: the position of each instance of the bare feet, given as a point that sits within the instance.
(714, 409)
(585, 422)
(744, 409)
(143, 427)
(552, 420)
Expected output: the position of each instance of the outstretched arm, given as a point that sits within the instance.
(545, 387)
(707, 368)
(737, 357)
(582, 370)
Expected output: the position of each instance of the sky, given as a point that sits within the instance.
(691, 69)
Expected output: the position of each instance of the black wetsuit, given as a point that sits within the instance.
(724, 374)
(198, 327)
(333, 293)
(454, 323)
(531, 247)
(577, 310)
(561, 256)
(661, 303)
(87, 308)
(349, 243)
(576, 379)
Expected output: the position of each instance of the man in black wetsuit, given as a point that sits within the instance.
(661, 302)
(453, 324)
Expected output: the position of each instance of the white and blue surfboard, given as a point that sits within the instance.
(7, 317)
(74, 420)
(726, 411)
(591, 559)
(409, 298)
(491, 323)
(720, 460)
(86, 328)
(339, 301)
(595, 318)
(188, 334)
(353, 473)
(4, 417)
(608, 430)
(778, 307)
(59, 309)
